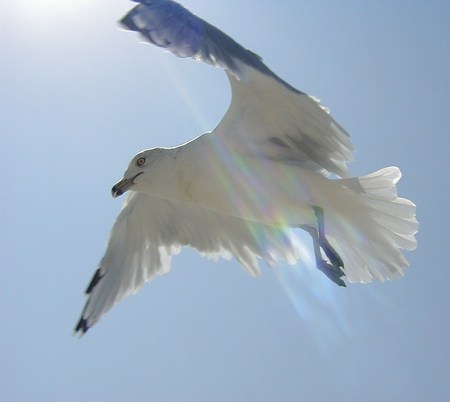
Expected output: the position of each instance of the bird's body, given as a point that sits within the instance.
(277, 161)
(209, 176)
(238, 185)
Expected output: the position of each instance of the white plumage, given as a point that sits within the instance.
(239, 190)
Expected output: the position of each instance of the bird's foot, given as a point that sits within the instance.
(327, 258)
(332, 272)
(331, 253)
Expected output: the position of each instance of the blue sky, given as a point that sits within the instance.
(79, 98)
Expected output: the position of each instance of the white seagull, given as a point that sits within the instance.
(276, 161)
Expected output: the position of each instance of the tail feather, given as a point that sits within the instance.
(373, 226)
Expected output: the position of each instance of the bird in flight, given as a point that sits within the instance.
(276, 162)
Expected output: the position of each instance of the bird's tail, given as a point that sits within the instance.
(369, 225)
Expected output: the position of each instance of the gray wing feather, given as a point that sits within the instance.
(169, 25)
(267, 116)
(149, 230)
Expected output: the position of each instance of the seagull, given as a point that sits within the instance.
(275, 163)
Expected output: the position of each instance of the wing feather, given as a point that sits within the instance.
(267, 116)
(150, 230)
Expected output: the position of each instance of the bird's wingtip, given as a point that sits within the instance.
(82, 327)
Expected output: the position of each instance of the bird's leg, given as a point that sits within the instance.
(333, 268)
(329, 251)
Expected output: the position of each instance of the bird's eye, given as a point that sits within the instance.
(141, 161)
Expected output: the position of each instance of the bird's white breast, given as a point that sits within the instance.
(208, 173)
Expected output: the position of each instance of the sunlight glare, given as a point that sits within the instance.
(315, 298)
(39, 13)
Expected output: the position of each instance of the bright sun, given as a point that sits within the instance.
(38, 13)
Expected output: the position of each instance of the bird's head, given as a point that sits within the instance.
(138, 170)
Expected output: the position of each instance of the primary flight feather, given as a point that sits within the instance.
(239, 190)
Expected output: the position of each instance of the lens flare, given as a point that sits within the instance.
(181, 87)
(314, 298)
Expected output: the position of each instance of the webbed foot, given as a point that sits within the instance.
(330, 252)
(333, 268)
(332, 272)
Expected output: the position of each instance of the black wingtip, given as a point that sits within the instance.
(81, 327)
(95, 279)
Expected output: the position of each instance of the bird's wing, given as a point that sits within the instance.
(267, 116)
(150, 230)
